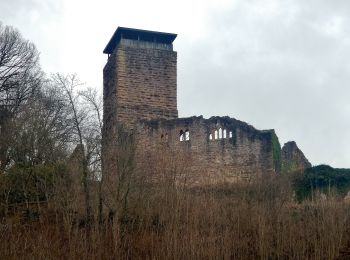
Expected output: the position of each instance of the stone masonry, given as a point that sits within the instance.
(293, 159)
(140, 83)
(140, 95)
(218, 149)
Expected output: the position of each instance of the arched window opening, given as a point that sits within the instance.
(230, 134)
(162, 136)
(187, 135)
(224, 134)
(210, 136)
(220, 133)
(182, 136)
(216, 134)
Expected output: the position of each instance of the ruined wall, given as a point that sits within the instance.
(219, 149)
(293, 159)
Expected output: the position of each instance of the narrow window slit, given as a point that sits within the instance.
(187, 135)
(182, 136)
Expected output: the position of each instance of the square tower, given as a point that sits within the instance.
(139, 79)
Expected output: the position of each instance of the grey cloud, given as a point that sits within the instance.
(12, 10)
(285, 70)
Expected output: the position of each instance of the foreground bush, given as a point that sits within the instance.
(29, 184)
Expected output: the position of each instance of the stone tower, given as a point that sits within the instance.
(139, 78)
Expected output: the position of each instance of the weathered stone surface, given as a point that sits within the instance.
(72, 190)
(293, 159)
(218, 149)
(139, 83)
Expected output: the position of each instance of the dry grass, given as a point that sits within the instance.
(255, 221)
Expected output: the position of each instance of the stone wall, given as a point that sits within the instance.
(215, 150)
(293, 159)
(140, 83)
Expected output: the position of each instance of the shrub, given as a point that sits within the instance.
(324, 179)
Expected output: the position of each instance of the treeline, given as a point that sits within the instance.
(42, 119)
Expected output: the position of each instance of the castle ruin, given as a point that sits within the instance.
(140, 94)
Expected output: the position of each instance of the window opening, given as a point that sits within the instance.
(187, 135)
(181, 136)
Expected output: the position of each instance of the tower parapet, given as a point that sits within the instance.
(141, 39)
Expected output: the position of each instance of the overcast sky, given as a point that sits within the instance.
(281, 64)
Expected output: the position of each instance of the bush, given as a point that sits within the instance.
(21, 184)
(322, 179)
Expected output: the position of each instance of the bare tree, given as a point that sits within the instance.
(39, 133)
(20, 78)
(20, 73)
(68, 84)
(93, 102)
(114, 185)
